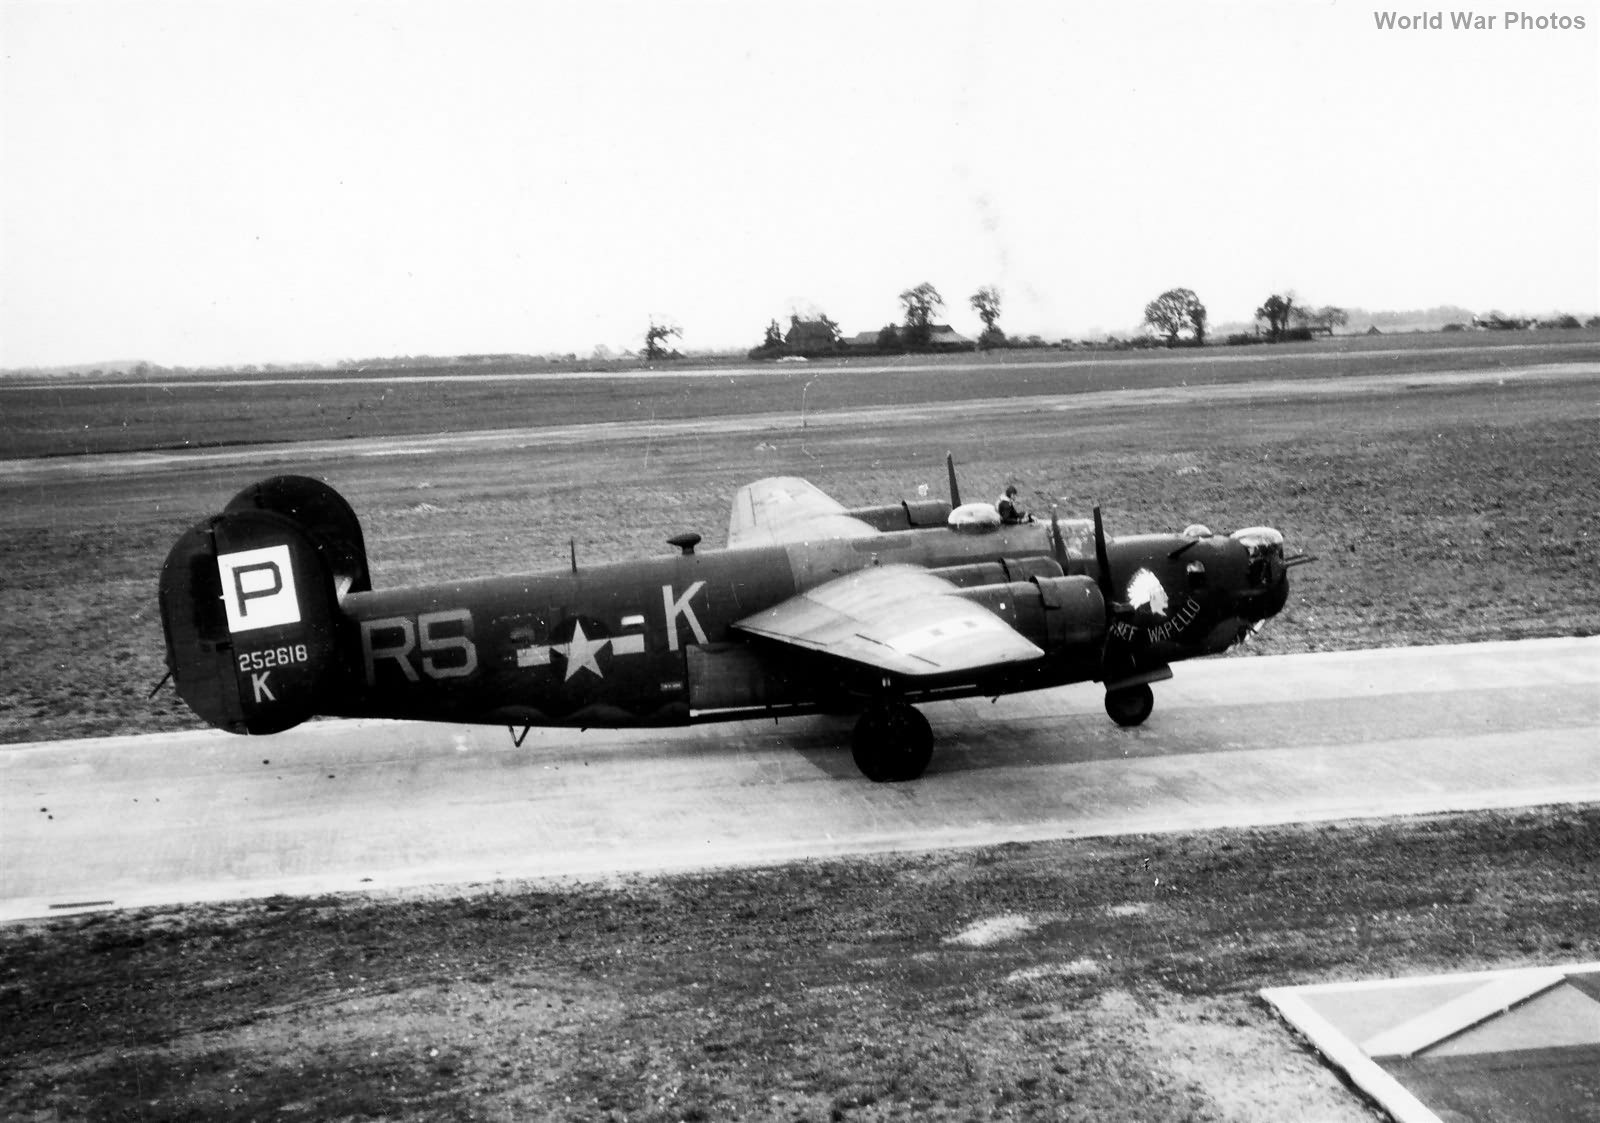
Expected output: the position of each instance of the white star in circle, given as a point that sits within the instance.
(581, 651)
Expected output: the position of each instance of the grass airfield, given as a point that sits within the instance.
(1442, 511)
(1081, 980)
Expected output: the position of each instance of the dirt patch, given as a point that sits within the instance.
(993, 930)
(819, 991)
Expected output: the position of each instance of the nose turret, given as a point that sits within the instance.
(1266, 588)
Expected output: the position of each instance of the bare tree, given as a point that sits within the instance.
(1329, 317)
(655, 336)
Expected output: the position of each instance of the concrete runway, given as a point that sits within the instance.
(337, 806)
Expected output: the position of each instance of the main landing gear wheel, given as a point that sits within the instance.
(1130, 705)
(892, 741)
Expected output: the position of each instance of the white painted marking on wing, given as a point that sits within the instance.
(920, 639)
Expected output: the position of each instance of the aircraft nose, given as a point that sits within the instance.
(1267, 572)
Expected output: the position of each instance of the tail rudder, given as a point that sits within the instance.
(250, 604)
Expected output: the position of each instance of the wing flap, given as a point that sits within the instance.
(895, 618)
(783, 509)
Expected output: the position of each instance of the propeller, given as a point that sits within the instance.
(1108, 590)
(955, 492)
(1102, 560)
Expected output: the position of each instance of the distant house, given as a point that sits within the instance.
(811, 337)
(942, 337)
(1496, 322)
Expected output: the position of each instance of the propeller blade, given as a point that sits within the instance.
(1058, 544)
(1102, 560)
(955, 492)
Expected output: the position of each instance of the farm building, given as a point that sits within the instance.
(943, 337)
(810, 337)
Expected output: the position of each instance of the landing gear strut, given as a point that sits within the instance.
(892, 741)
(1130, 705)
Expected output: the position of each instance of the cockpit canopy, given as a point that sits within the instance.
(1264, 546)
(1259, 540)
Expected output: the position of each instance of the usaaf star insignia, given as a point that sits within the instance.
(581, 652)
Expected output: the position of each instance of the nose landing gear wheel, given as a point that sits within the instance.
(1130, 705)
(892, 741)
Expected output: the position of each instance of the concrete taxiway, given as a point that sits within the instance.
(339, 806)
(903, 415)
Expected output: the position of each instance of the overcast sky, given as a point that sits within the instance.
(252, 182)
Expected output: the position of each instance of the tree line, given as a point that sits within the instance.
(917, 330)
(1177, 315)
(1179, 311)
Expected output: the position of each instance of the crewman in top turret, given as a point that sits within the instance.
(1010, 512)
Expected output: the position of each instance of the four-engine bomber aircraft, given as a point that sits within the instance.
(271, 618)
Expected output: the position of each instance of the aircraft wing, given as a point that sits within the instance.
(895, 618)
(788, 509)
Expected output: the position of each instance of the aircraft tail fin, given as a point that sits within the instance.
(324, 515)
(250, 604)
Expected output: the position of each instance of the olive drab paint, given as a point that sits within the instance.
(270, 618)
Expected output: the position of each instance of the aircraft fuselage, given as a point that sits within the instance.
(270, 618)
(653, 641)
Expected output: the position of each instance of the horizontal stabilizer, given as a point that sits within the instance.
(783, 509)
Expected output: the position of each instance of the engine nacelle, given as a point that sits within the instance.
(907, 515)
(1002, 572)
(1056, 613)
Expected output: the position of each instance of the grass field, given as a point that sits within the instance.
(1108, 980)
(1121, 984)
(65, 416)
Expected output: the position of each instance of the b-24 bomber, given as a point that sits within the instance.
(271, 618)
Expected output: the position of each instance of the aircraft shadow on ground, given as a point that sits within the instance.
(967, 740)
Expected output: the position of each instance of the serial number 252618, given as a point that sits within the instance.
(271, 657)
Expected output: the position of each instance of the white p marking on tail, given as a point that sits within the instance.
(258, 588)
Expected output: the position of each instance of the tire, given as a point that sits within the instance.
(892, 743)
(1129, 706)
